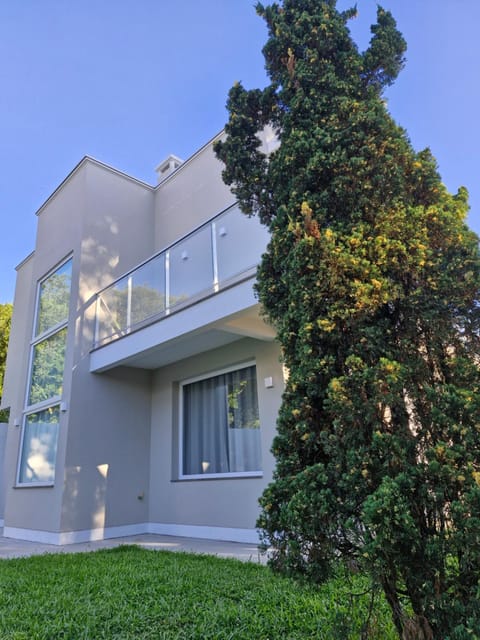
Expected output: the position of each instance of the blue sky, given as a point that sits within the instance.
(130, 81)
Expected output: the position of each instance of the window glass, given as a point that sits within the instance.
(47, 368)
(221, 427)
(39, 446)
(191, 267)
(54, 299)
(47, 364)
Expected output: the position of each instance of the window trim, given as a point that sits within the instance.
(45, 336)
(41, 336)
(31, 411)
(35, 340)
(210, 476)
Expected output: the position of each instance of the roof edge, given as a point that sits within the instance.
(26, 259)
(89, 159)
(190, 158)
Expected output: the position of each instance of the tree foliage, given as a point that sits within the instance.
(371, 279)
(5, 320)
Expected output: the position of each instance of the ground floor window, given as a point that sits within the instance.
(39, 447)
(220, 426)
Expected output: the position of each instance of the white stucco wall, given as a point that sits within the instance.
(221, 503)
(3, 441)
(117, 452)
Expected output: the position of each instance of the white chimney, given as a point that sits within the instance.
(167, 167)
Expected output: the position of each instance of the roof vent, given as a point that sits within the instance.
(167, 167)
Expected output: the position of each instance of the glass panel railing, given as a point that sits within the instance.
(190, 266)
(212, 256)
(240, 241)
(148, 290)
(111, 313)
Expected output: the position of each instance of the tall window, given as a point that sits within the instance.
(47, 363)
(220, 430)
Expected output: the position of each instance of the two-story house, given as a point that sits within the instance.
(142, 381)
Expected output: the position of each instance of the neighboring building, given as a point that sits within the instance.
(142, 398)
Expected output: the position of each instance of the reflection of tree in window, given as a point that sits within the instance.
(145, 302)
(47, 368)
(242, 401)
(221, 427)
(54, 299)
(39, 443)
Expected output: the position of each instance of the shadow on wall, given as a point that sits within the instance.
(108, 451)
(86, 488)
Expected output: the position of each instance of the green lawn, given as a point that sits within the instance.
(129, 592)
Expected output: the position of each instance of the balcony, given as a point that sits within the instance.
(212, 268)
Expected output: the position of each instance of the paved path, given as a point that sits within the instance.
(11, 548)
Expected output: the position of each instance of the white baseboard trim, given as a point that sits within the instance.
(228, 534)
(31, 535)
(245, 536)
(74, 537)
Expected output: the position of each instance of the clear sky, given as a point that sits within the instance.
(131, 81)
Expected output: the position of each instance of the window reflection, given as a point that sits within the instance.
(40, 446)
(40, 432)
(47, 368)
(54, 299)
(221, 427)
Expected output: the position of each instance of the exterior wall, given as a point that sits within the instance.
(24, 507)
(116, 235)
(3, 440)
(106, 469)
(222, 503)
(20, 334)
(117, 452)
(109, 416)
(105, 221)
(189, 197)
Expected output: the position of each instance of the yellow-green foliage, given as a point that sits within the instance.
(371, 279)
(5, 320)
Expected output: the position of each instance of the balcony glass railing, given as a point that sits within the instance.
(219, 253)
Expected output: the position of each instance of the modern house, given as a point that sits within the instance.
(142, 381)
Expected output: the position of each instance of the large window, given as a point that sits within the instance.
(220, 427)
(47, 363)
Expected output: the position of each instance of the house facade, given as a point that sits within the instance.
(142, 381)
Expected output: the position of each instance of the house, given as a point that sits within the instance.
(142, 381)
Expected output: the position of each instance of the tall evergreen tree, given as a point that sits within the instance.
(371, 279)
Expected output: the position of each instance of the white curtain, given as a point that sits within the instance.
(221, 430)
(39, 446)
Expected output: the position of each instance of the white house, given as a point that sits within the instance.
(143, 383)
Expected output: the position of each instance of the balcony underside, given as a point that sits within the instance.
(220, 319)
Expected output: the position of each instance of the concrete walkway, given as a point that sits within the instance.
(11, 548)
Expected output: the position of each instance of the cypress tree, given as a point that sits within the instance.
(371, 279)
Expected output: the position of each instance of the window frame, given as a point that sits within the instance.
(36, 483)
(181, 476)
(53, 401)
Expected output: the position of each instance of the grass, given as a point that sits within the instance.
(133, 593)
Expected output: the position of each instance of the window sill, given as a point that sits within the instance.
(33, 485)
(220, 476)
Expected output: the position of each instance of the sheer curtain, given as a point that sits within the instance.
(221, 430)
(39, 446)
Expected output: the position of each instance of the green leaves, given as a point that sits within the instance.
(5, 321)
(372, 280)
(384, 59)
